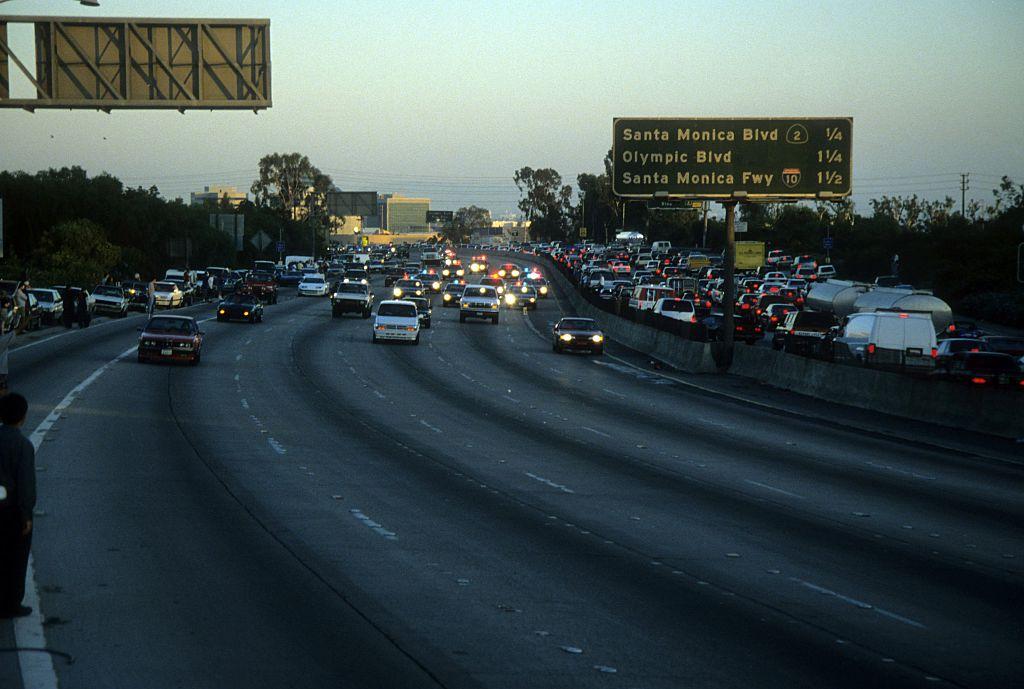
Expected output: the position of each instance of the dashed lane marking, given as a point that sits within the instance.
(773, 488)
(549, 482)
(595, 431)
(378, 528)
(858, 603)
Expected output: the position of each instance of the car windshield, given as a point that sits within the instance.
(175, 326)
(239, 299)
(351, 289)
(108, 291)
(577, 324)
(397, 310)
(480, 291)
(313, 280)
(42, 295)
(259, 276)
(165, 286)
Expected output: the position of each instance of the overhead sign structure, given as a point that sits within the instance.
(145, 63)
(440, 216)
(361, 203)
(679, 205)
(755, 158)
(749, 255)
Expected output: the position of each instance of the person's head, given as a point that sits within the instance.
(13, 409)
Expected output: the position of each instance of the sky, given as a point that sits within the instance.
(448, 99)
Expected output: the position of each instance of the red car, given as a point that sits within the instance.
(262, 285)
(171, 338)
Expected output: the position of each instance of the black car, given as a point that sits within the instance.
(581, 334)
(423, 310)
(289, 278)
(451, 294)
(240, 307)
(990, 369)
(137, 293)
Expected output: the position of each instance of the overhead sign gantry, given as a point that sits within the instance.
(141, 63)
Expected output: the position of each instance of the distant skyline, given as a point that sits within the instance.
(448, 100)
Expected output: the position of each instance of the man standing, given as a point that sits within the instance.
(18, 487)
(151, 304)
(21, 304)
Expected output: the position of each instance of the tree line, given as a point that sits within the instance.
(968, 259)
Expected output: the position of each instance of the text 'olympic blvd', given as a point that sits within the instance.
(715, 158)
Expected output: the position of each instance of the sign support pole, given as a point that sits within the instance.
(729, 301)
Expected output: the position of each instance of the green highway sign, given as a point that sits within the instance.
(722, 158)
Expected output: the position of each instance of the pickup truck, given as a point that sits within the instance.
(804, 332)
(351, 297)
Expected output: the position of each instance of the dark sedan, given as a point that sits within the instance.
(240, 307)
(171, 338)
(577, 334)
(990, 369)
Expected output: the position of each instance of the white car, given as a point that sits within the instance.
(396, 320)
(675, 308)
(167, 295)
(826, 272)
(313, 285)
(50, 303)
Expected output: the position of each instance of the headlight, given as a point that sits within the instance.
(565, 337)
(447, 297)
(474, 267)
(460, 272)
(533, 299)
(222, 312)
(245, 313)
(543, 289)
(597, 338)
(501, 273)
(398, 292)
(435, 285)
(510, 299)
(515, 273)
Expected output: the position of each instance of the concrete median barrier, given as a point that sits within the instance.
(993, 411)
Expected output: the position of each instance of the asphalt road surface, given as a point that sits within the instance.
(308, 509)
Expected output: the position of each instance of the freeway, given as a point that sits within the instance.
(307, 509)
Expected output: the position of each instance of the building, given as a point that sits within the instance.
(216, 194)
(402, 215)
(503, 232)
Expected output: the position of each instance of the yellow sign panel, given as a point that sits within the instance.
(749, 255)
(695, 262)
(366, 240)
(583, 232)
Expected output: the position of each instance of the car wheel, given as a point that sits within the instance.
(334, 314)
(426, 325)
(417, 340)
(195, 360)
(141, 359)
(494, 320)
(221, 320)
(374, 340)
(555, 348)
(598, 351)
(366, 314)
(462, 319)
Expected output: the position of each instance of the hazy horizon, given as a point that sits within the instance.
(447, 102)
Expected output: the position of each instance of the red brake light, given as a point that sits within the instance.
(903, 315)
(974, 349)
(978, 380)
(775, 319)
(871, 348)
(952, 328)
(935, 353)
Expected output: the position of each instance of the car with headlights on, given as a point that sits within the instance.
(478, 264)
(479, 301)
(313, 285)
(577, 334)
(521, 296)
(240, 307)
(431, 280)
(170, 338)
(409, 287)
(509, 271)
(111, 300)
(497, 283)
(540, 284)
(396, 319)
(351, 297)
(453, 268)
(137, 293)
(451, 294)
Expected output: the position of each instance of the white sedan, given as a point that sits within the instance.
(167, 295)
(313, 285)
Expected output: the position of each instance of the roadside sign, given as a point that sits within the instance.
(827, 244)
(440, 216)
(761, 158)
(280, 247)
(361, 203)
(749, 255)
(740, 226)
(680, 205)
(261, 240)
(366, 240)
(583, 232)
(696, 262)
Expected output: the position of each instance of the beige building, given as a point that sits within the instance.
(402, 214)
(216, 194)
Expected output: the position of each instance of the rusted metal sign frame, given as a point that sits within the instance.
(142, 63)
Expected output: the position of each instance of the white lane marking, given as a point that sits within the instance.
(548, 482)
(900, 471)
(858, 603)
(390, 535)
(238, 357)
(37, 668)
(595, 431)
(70, 332)
(352, 369)
(278, 447)
(773, 488)
(380, 394)
(612, 392)
(236, 378)
(511, 399)
(431, 427)
(466, 376)
(248, 342)
(245, 403)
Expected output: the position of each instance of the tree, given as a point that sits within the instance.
(287, 181)
(78, 252)
(464, 221)
(545, 202)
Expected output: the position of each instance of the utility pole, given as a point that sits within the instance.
(964, 180)
(729, 301)
(705, 206)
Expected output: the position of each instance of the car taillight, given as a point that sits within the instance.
(935, 353)
(871, 348)
(745, 307)
(952, 328)
(693, 319)
(759, 311)
(978, 380)
(774, 319)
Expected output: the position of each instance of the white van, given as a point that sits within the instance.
(660, 246)
(644, 297)
(888, 339)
